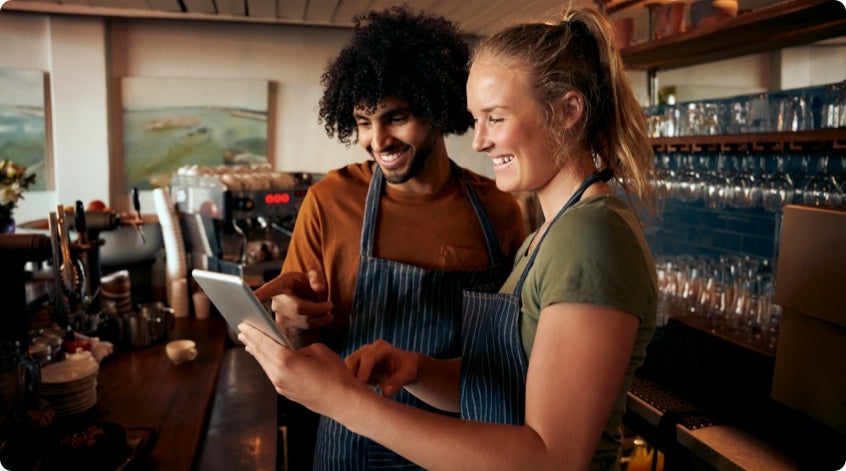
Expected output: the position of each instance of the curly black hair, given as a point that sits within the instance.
(417, 58)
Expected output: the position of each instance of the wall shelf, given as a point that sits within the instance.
(822, 139)
(786, 24)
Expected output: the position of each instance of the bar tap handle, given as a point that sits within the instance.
(63, 310)
(136, 205)
(79, 222)
(86, 259)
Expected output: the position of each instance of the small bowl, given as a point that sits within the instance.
(707, 12)
(181, 351)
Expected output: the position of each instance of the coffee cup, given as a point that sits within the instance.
(202, 305)
(181, 351)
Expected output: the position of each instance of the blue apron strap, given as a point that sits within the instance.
(371, 211)
(495, 256)
(600, 175)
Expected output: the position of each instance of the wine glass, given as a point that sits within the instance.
(822, 189)
(779, 188)
(715, 187)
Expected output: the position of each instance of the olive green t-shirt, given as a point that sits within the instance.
(595, 253)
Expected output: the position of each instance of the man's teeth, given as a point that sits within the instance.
(503, 160)
(392, 157)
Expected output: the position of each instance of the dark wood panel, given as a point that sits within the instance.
(785, 24)
(827, 138)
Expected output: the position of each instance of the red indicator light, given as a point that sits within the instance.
(277, 198)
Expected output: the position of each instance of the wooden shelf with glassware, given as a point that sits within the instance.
(818, 139)
(785, 24)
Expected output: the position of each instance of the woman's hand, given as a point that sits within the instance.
(296, 300)
(381, 364)
(313, 376)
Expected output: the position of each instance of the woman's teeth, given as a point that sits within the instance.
(503, 160)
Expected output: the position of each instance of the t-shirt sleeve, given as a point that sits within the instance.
(305, 250)
(593, 255)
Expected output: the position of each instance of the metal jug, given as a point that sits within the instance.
(150, 324)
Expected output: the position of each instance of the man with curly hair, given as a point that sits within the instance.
(398, 236)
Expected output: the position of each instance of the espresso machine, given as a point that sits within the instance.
(238, 219)
(18, 250)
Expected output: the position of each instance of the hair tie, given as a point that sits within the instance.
(577, 28)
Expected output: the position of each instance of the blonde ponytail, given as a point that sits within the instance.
(580, 54)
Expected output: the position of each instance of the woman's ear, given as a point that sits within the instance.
(572, 109)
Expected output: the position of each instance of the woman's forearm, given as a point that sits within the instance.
(437, 383)
(438, 442)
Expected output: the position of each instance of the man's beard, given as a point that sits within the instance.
(418, 161)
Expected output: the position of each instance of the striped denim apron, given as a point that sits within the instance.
(493, 366)
(412, 308)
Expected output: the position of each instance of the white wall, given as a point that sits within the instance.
(85, 57)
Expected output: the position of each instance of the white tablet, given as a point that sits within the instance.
(236, 302)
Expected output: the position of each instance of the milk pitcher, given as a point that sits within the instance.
(150, 324)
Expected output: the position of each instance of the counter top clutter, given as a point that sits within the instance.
(143, 389)
(145, 410)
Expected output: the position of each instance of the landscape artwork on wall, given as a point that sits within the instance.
(172, 122)
(23, 135)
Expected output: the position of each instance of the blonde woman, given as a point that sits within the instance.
(548, 359)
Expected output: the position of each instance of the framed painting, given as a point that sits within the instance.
(172, 122)
(23, 128)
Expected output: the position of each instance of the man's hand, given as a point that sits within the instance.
(296, 300)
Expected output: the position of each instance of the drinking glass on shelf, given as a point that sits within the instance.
(671, 124)
(780, 109)
(841, 177)
(790, 111)
(715, 185)
(834, 106)
(812, 113)
(760, 115)
(739, 115)
(743, 306)
(778, 189)
(689, 180)
(741, 183)
(800, 174)
(822, 189)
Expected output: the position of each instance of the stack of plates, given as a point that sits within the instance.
(117, 288)
(70, 386)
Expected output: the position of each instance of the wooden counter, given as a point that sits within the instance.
(141, 388)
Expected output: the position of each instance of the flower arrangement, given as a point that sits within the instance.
(13, 182)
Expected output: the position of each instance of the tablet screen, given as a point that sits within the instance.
(237, 303)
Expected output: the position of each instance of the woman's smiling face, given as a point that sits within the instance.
(509, 126)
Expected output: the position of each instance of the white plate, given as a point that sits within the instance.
(69, 370)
